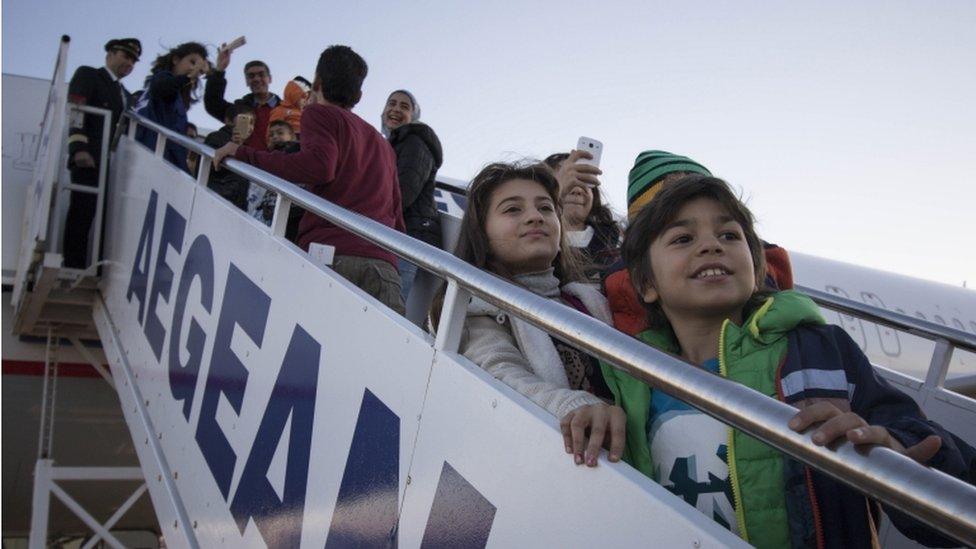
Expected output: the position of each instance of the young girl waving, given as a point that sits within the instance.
(169, 93)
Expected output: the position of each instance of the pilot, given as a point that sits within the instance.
(95, 88)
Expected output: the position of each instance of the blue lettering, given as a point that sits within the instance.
(460, 515)
(183, 379)
(174, 226)
(244, 305)
(139, 279)
(280, 520)
(370, 481)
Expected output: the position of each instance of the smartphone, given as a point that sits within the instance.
(236, 43)
(244, 125)
(592, 146)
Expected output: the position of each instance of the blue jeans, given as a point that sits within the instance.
(408, 271)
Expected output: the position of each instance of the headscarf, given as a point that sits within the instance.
(414, 115)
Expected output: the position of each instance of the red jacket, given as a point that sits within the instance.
(347, 162)
(262, 119)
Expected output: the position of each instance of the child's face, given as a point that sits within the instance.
(280, 134)
(522, 227)
(702, 265)
(190, 65)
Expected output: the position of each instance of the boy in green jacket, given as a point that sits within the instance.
(696, 262)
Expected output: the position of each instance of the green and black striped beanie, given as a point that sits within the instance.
(649, 169)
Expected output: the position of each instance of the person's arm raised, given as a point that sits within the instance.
(213, 92)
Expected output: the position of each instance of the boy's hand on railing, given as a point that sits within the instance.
(227, 150)
(83, 159)
(602, 424)
(836, 423)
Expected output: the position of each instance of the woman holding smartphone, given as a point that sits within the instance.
(589, 223)
(169, 92)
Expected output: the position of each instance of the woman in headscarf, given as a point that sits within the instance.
(419, 155)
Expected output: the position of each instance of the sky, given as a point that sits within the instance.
(848, 127)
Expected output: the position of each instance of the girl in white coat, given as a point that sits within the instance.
(511, 228)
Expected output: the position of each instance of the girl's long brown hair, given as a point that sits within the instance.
(166, 61)
(473, 246)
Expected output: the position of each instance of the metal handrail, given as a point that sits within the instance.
(916, 326)
(935, 498)
(450, 187)
(98, 190)
(877, 315)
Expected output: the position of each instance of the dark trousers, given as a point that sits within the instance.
(295, 215)
(81, 214)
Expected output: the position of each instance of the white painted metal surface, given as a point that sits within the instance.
(950, 306)
(511, 450)
(48, 161)
(419, 479)
(394, 432)
(23, 107)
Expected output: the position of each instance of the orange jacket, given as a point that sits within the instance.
(289, 108)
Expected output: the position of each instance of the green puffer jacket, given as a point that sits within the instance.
(749, 354)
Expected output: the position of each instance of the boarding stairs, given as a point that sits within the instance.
(272, 403)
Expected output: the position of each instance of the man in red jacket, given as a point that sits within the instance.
(346, 161)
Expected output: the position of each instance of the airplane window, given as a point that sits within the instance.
(920, 315)
(853, 325)
(961, 377)
(958, 324)
(888, 338)
(940, 320)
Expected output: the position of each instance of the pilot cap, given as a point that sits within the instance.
(130, 45)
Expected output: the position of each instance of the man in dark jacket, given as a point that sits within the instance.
(100, 88)
(419, 155)
(258, 77)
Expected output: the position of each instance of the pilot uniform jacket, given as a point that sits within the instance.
(94, 88)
